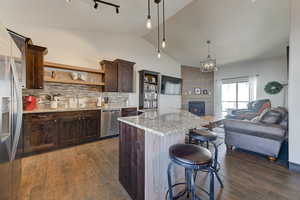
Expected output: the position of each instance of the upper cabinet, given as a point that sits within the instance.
(118, 75)
(111, 76)
(32, 77)
(35, 67)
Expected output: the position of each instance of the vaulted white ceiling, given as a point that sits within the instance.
(80, 14)
(239, 30)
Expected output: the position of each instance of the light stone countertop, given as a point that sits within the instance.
(166, 122)
(114, 107)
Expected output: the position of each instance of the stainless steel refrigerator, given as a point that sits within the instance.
(10, 116)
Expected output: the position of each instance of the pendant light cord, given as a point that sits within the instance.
(158, 31)
(164, 22)
(208, 48)
(149, 11)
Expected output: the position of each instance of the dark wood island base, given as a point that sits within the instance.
(132, 160)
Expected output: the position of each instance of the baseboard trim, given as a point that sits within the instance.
(294, 167)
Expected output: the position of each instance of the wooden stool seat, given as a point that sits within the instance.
(203, 135)
(190, 154)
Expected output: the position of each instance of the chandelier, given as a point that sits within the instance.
(209, 64)
(149, 24)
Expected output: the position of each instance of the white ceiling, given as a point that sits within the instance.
(80, 14)
(239, 30)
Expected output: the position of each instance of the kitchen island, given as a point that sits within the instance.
(144, 145)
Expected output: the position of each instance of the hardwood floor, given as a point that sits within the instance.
(90, 172)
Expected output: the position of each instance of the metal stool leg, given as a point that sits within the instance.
(170, 182)
(188, 186)
(212, 185)
(215, 165)
(219, 179)
(192, 184)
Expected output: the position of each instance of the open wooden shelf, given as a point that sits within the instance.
(73, 82)
(69, 67)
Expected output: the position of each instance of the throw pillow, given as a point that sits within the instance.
(271, 117)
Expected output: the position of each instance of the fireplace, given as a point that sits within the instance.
(197, 107)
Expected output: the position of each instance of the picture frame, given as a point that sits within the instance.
(197, 91)
(205, 92)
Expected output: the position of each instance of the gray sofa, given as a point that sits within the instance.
(263, 135)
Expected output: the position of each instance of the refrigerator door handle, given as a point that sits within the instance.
(19, 111)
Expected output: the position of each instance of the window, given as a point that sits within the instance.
(235, 94)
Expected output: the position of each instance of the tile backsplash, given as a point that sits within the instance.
(88, 94)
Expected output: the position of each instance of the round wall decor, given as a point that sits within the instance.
(273, 87)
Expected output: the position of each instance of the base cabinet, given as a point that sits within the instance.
(128, 112)
(49, 131)
(90, 127)
(40, 133)
(69, 129)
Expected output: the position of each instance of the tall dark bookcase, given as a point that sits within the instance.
(149, 89)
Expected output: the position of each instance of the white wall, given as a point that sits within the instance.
(87, 49)
(294, 84)
(273, 69)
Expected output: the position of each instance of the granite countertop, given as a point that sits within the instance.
(114, 107)
(166, 122)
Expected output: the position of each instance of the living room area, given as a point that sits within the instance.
(247, 85)
(251, 95)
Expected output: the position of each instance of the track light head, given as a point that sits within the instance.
(117, 10)
(96, 5)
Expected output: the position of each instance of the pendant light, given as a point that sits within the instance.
(209, 64)
(158, 33)
(148, 23)
(164, 27)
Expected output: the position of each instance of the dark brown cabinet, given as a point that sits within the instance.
(111, 76)
(90, 126)
(132, 160)
(35, 67)
(33, 59)
(39, 133)
(69, 128)
(48, 131)
(127, 112)
(118, 75)
(125, 75)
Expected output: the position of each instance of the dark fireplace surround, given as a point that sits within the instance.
(197, 107)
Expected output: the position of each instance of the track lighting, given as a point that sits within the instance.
(117, 7)
(96, 5)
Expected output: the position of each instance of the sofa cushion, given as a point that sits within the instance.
(270, 131)
(283, 111)
(271, 117)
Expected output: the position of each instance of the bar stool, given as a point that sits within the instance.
(206, 136)
(193, 158)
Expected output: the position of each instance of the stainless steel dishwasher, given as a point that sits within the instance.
(109, 122)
